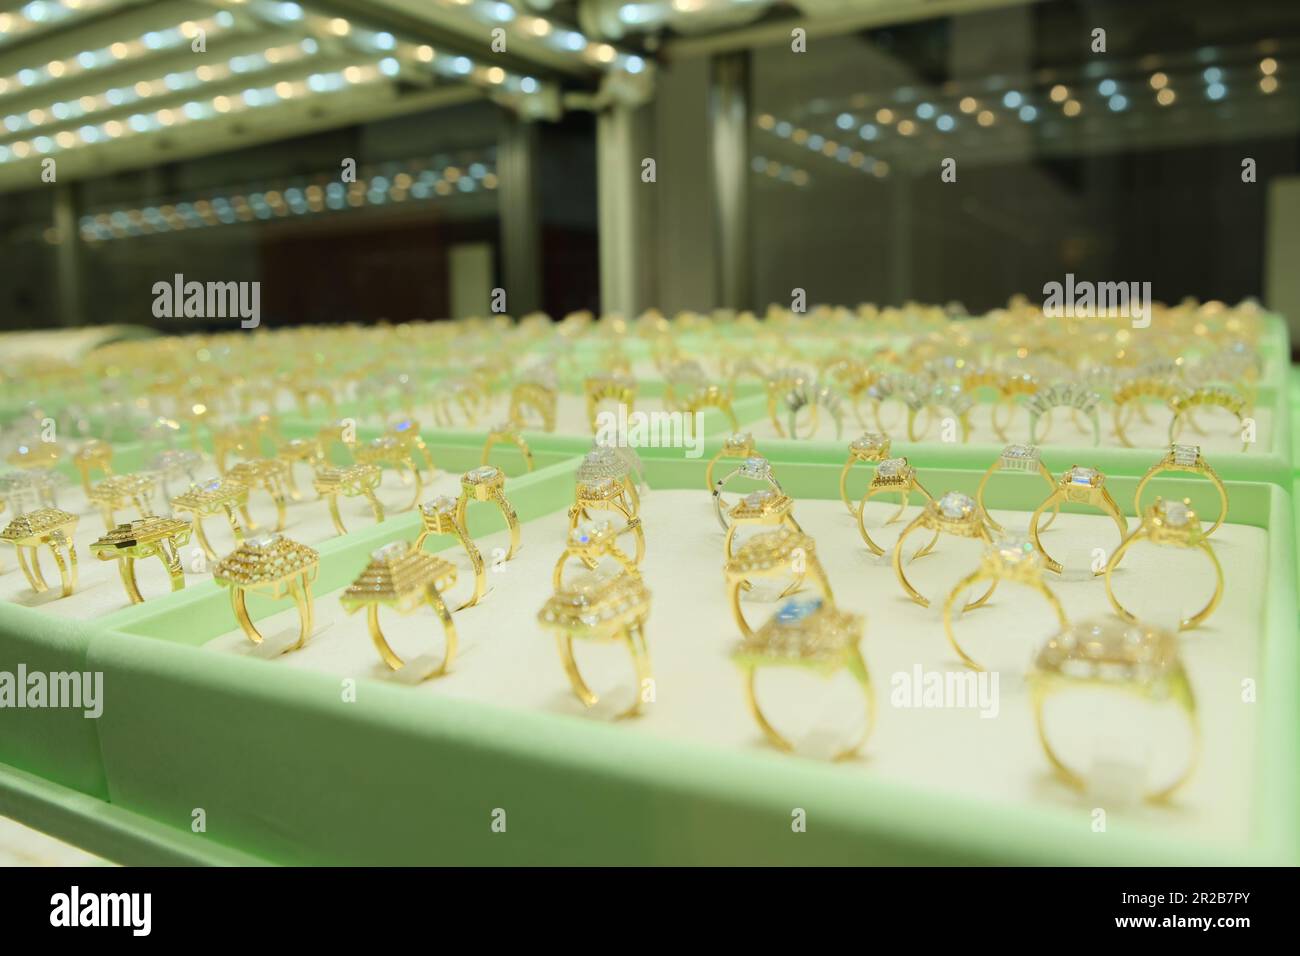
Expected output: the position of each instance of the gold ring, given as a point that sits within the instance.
(1009, 559)
(617, 462)
(406, 432)
(275, 566)
(1172, 523)
(45, 527)
(779, 384)
(755, 468)
(1077, 485)
(1186, 403)
(617, 388)
(1186, 458)
(354, 481)
(211, 497)
(488, 483)
(763, 508)
(403, 579)
(589, 543)
(870, 447)
(299, 451)
(891, 475)
(1019, 458)
(1129, 394)
(1107, 654)
(94, 454)
(595, 609)
(710, 396)
(773, 554)
(607, 494)
(1063, 395)
(955, 514)
(736, 445)
(814, 634)
(439, 517)
(265, 474)
(388, 450)
(535, 398)
(154, 536)
(507, 432)
(116, 492)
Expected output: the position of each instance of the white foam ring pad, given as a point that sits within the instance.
(507, 659)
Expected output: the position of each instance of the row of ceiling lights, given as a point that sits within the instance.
(374, 187)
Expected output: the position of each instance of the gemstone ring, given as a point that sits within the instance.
(814, 634)
(596, 609)
(755, 468)
(1109, 655)
(1024, 459)
(1064, 395)
(1010, 558)
(736, 445)
(869, 447)
(1185, 458)
(955, 514)
(773, 554)
(1169, 523)
(1077, 485)
(488, 483)
(589, 543)
(892, 475)
(439, 517)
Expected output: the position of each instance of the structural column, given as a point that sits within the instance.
(729, 115)
(521, 223)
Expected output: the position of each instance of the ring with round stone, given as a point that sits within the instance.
(1077, 485)
(507, 433)
(211, 497)
(814, 634)
(354, 481)
(1185, 458)
(1010, 558)
(601, 610)
(955, 514)
(1169, 523)
(403, 579)
(406, 431)
(1022, 459)
(439, 517)
(275, 566)
(488, 483)
(892, 476)
(735, 445)
(1110, 655)
(773, 554)
(589, 543)
(755, 468)
(870, 447)
(299, 451)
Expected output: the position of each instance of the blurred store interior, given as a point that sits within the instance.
(505, 145)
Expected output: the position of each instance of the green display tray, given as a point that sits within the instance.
(284, 774)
